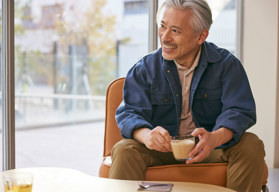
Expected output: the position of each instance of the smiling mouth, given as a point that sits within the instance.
(169, 46)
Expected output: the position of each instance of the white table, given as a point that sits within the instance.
(50, 179)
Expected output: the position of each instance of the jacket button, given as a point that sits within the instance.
(205, 95)
(168, 71)
(166, 99)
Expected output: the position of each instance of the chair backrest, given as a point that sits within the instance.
(114, 96)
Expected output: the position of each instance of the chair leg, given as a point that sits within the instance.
(265, 188)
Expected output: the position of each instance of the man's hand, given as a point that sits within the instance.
(156, 139)
(208, 141)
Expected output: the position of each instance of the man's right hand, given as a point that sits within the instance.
(157, 139)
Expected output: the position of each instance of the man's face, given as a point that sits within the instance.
(177, 37)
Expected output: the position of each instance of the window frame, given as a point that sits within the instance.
(8, 89)
(239, 28)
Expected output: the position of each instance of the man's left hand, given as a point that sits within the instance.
(208, 141)
(204, 147)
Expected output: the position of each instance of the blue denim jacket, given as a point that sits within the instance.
(220, 95)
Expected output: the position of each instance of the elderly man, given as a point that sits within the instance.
(188, 86)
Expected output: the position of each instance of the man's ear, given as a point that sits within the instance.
(202, 36)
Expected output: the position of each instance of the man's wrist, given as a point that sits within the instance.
(222, 136)
(139, 134)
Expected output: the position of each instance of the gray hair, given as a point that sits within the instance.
(202, 17)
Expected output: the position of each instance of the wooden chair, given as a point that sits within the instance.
(209, 173)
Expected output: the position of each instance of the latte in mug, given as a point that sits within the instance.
(182, 145)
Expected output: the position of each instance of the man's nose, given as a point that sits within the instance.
(166, 35)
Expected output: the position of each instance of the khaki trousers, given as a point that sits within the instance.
(245, 172)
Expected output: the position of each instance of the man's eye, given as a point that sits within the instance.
(176, 31)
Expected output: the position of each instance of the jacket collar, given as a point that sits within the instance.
(209, 53)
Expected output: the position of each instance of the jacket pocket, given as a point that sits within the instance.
(158, 98)
(163, 110)
(207, 105)
(208, 94)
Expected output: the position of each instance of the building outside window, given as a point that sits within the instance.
(135, 6)
(50, 15)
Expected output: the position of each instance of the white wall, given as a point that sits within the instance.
(260, 59)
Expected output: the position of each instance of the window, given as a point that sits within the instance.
(223, 31)
(63, 65)
(66, 54)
